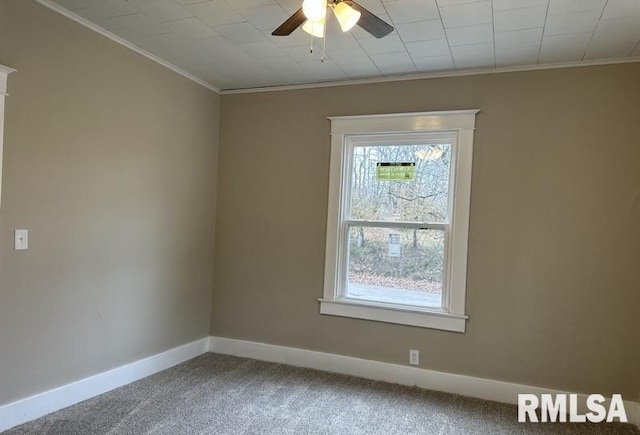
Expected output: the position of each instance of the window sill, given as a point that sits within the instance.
(389, 313)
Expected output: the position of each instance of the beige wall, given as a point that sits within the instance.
(554, 252)
(110, 163)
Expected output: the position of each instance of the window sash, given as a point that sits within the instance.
(343, 258)
(398, 224)
(350, 142)
(399, 139)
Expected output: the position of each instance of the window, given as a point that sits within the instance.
(4, 72)
(398, 219)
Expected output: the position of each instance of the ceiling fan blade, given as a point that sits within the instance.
(370, 22)
(292, 23)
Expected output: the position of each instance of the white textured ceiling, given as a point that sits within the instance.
(228, 43)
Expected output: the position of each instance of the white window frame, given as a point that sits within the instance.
(460, 123)
(4, 72)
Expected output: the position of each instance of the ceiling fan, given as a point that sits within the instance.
(312, 17)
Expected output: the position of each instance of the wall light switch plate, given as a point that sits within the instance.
(414, 357)
(22, 240)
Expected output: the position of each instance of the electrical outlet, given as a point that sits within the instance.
(414, 357)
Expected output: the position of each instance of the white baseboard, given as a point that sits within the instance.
(27, 409)
(480, 388)
(30, 408)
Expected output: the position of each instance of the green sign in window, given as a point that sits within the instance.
(395, 171)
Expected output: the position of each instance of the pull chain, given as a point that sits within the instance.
(323, 59)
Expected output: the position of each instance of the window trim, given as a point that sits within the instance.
(4, 73)
(462, 122)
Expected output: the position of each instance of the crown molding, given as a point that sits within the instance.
(78, 19)
(436, 75)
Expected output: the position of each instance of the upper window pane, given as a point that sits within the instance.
(408, 182)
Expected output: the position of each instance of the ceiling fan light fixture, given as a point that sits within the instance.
(314, 28)
(346, 15)
(314, 10)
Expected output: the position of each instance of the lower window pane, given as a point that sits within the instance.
(400, 266)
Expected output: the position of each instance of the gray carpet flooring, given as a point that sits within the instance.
(218, 394)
